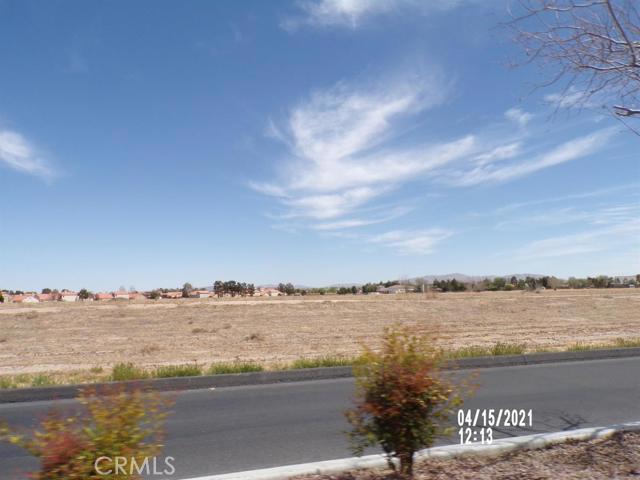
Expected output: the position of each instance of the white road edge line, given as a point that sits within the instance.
(525, 442)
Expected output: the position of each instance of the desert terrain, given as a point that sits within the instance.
(57, 337)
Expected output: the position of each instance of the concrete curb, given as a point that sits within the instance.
(178, 383)
(498, 447)
(261, 378)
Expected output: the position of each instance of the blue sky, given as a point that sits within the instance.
(151, 143)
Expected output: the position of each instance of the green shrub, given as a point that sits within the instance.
(169, 371)
(127, 371)
(508, 348)
(402, 401)
(580, 347)
(6, 382)
(23, 378)
(41, 380)
(327, 361)
(617, 343)
(470, 351)
(234, 367)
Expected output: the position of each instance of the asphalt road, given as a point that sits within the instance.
(242, 428)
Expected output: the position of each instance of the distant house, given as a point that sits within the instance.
(17, 298)
(46, 297)
(172, 294)
(68, 297)
(268, 292)
(393, 289)
(30, 299)
(121, 295)
(136, 296)
(200, 294)
(103, 296)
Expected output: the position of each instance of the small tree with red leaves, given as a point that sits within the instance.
(403, 401)
(114, 422)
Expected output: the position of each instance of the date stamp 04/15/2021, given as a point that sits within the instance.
(477, 425)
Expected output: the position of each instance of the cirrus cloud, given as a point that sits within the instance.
(347, 155)
(19, 154)
(353, 14)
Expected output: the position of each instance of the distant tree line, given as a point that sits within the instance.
(452, 285)
(346, 290)
(373, 287)
(288, 289)
(532, 283)
(233, 288)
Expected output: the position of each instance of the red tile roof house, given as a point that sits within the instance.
(103, 296)
(68, 297)
(175, 294)
(121, 295)
(17, 298)
(46, 297)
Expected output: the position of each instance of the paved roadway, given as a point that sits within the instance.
(242, 428)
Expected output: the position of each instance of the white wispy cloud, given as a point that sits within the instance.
(567, 151)
(330, 205)
(349, 223)
(605, 215)
(412, 242)
(344, 120)
(574, 196)
(501, 152)
(353, 14)
(518, 116)
(620, 236)
(338, 140)
(18, 153)
(347, 155)
(574, 97)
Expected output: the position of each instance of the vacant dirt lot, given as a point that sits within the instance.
(62, 337)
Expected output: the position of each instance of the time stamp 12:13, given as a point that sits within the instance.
(477, 426)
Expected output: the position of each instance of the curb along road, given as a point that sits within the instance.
(498, 447)
(261, 378)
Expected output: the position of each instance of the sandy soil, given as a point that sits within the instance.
(617, 457)
(61, 337)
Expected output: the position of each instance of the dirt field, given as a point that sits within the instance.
(61, 337)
